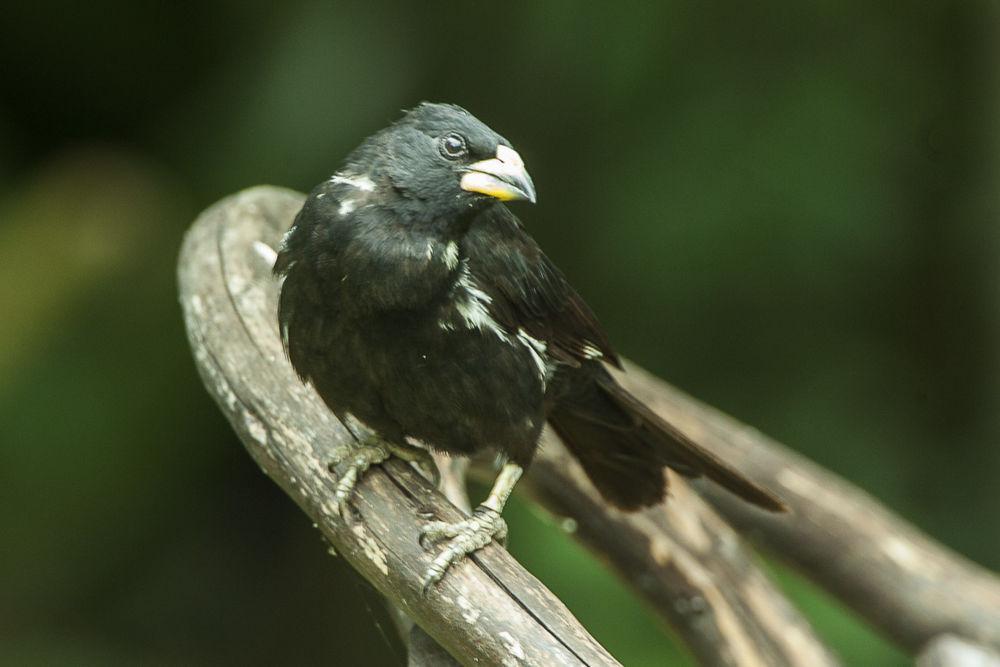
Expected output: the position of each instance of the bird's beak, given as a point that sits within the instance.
(503, 177)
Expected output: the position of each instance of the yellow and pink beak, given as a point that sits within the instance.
(503, 177)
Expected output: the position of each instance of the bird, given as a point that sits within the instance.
(415, 302)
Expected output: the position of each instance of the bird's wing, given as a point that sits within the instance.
(529, 293)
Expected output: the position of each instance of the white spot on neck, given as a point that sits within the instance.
(362, 183)
(451, 255)
(347, 206)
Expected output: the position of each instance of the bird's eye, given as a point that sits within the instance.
(453, 146)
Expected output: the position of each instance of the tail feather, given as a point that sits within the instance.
(622, 466)
(623, 447)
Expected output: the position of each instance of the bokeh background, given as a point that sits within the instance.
(790, 210)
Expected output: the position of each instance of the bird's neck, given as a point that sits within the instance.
(446, 220)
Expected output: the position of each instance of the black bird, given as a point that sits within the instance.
(414, 301)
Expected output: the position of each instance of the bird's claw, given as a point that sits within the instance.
(463, 537)
(356, 459)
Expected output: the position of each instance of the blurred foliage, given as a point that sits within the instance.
(788, 209)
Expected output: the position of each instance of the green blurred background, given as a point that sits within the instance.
(790, 211)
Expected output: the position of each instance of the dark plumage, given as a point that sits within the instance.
(414, 300)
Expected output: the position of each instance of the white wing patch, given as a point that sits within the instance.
(591, 352)
(537, 350)
(471, 304)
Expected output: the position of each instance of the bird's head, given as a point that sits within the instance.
(446, 159)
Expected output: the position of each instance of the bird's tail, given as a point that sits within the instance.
(623, 446)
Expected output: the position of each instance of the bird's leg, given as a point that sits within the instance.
(474, 533)
(370, 451)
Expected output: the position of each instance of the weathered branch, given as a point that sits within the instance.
(912, 588)
(422, 650)
(688, 564)
(488, 610)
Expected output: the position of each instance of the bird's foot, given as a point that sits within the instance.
(355, 459)
(463, 537)
(358, 458)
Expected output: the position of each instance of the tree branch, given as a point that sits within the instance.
(687, 563)
(912, 588)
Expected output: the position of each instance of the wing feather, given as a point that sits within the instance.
(528, 292)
